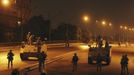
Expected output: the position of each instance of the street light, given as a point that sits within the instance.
(5, 3)
(121, 27)
(103, 23)
(86, 18)
(110, 24)
(19, 23)
(125, 28)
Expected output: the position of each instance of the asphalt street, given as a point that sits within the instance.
(64, 65)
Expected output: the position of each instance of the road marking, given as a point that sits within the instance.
(35, 66)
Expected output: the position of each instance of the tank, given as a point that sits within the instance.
(27, 51)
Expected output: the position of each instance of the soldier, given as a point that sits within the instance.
(98, 62)
(106, 44)
(122, 65)
(10, 58)
(41, 58)
(27, 37)
(31, 39)
(126, 63)
(75, 61)
(38, 44)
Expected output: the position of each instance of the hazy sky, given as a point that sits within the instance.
(117, 11)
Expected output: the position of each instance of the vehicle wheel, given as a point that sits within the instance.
(90, 61)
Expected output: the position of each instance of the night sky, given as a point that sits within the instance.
(71, 11)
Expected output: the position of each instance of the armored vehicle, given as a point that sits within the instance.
(27, 51)
(104, 51)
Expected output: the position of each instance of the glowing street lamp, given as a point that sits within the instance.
(121, 27)
(86, 18)
(5, 3)
(19, 23)
(125, 28)
(103, 23)
(110, 24)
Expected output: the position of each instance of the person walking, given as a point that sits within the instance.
(98, 62)
(75, 62)
(10, 58)
(41, 58)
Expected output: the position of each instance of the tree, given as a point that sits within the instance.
(38, 26)
(65, 32)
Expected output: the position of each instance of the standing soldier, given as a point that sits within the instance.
(31, 39)
(122, 65)
(126, 63)
(75, 61)
(98, 62)
(41, 58)
(38, 44)
(10, 58)
(27, 37)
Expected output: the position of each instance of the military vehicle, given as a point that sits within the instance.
(27, 51)
(104, 51)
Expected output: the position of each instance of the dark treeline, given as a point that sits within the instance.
(38, 26)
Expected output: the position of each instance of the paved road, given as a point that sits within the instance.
(52, 52)
(19, 63)
(64, 66)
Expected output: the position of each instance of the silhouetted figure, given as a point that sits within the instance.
(41, 58)
(10, 58)
(119, 43)
(98, 62)
(122, 65)
(75, 62)
(30, 39)
(15, 72)
(38, 44)
(106, 44)
(100, 44)
(99, 41)
(126, 63)
(27, 37)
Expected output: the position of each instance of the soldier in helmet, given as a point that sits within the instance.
(41, 59)
(126, 63)
(75, 62)
(10, 58)
(99, 62)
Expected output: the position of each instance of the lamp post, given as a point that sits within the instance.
(21, 33)
(86, 20)
(5, 3)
